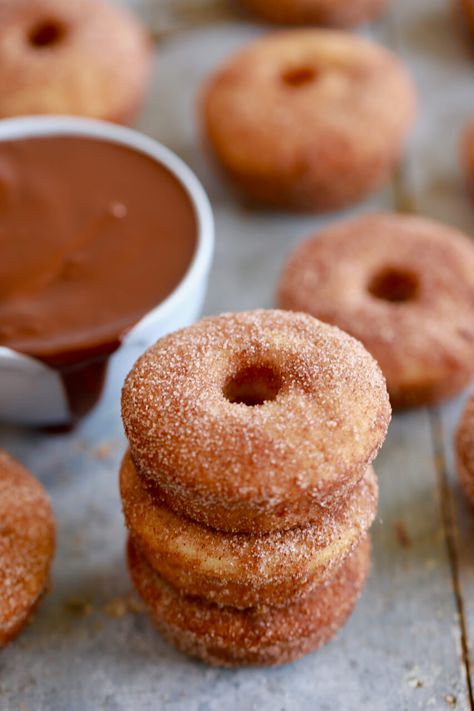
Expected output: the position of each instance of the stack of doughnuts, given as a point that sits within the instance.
(247, 489)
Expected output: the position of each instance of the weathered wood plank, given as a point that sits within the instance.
(460, 528)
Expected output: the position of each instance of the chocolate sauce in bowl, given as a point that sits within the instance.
(93, 235)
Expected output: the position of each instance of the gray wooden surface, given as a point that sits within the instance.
(407, 645)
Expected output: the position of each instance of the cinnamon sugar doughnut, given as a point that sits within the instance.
(465, 449)
(309, 119)
(402, 285)
(252, 421)
(335, 13)
(466, 8)
(82, 57)
(238, 569)
(224, 636)
(26, 545)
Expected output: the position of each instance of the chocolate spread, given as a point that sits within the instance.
(92, 236)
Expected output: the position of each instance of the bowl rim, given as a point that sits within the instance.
(52, 125)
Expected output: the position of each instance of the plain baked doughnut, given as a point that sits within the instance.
(336, 13)
(241, 570)
(252, 421)
(402, 285)
(27, 533)
(465, 449)
(309, 119)
(269, 636)
(82, 57)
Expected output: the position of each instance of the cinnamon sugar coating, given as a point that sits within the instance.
(224, 636)
(83, 57)
(465, 449)
(27, 532)
(242, 570)
(402, 285)
(255, 467)
(336, 13)
(309, 119)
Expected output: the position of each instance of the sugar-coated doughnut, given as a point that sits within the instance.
(267, 636)
(465, 449)
(83, 57)
(309, 119)
(27, 533)
(402, 285)
(238, 569)
(467, 14)
(252, 421)
(336, 13)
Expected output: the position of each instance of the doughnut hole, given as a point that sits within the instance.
(253, 385)
(395, 285)
(297, 77)
(47, 33)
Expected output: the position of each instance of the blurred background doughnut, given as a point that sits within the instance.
(402, 285)
(309, 119)
(336, 13)
(83, 57)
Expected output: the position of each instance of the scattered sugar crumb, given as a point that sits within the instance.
(78, 606)
(103, 451)
(120, 606)
(402, 535)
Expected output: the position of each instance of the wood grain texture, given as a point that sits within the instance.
(430, 35)
(407, 645)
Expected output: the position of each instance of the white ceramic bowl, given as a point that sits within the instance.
(33, 394)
